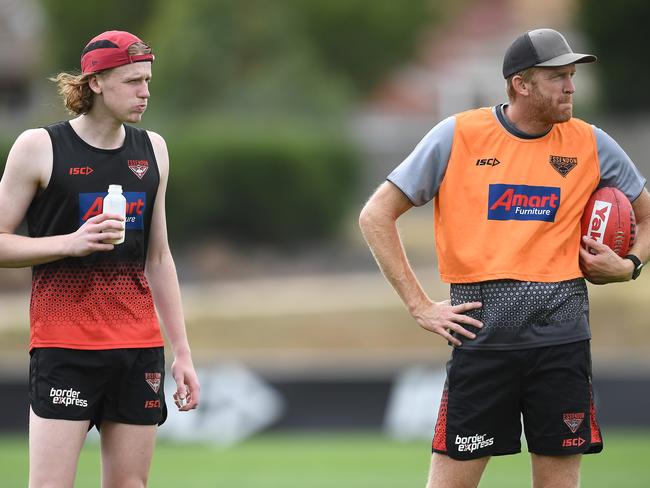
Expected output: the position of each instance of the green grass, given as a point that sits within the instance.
(334, 460)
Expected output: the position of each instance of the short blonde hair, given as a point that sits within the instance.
(75, 91)
(527, 76)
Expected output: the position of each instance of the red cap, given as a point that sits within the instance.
(109, 50)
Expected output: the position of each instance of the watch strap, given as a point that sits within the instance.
(638, 265)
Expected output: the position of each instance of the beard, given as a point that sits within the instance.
(548, 111)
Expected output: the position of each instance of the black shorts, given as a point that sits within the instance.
(488, 392)
(120, 385)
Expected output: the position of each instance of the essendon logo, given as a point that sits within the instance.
(562, 164)
(598, 220)
(523, 202)
(573, 420)
(82, 170)
(138, 166)
(92, 204)
(153, 380)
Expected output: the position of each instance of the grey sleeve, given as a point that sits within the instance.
(419, 176)
(616, 167)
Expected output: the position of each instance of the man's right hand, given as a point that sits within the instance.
(442, 318)
(90, 236)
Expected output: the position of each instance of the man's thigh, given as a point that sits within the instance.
(127, 451)
(556, 471)
(446, 472)
(54, 447)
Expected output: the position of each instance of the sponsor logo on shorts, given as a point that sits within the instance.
(598, 220)
(523, 202)
(473, 442)
(573, 442)
(138, 166)
(563, 164)
(153, 379)
(152, 404)
(67, 398)
(573, 420)
(92, 204)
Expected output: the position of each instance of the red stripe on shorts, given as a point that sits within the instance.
(595, 429)
(440, 435)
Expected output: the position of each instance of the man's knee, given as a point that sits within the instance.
(126, 482)
(48, 483)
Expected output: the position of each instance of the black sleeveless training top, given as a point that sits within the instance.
(103, 300)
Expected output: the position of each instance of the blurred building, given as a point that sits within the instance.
(459, 66)
(21, 26)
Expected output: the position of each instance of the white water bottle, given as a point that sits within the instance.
(115, 203)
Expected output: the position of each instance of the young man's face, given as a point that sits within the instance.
(551, 93)
(125, 90)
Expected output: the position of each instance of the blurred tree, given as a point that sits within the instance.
(617, 31)
(71, 24)
(238, 56)
(286, 55)
(362, 40)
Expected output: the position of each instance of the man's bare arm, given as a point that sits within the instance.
(27, 171)
(378, 222)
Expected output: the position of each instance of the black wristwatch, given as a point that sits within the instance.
(638, 265)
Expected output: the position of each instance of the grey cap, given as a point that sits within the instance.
(540, 47)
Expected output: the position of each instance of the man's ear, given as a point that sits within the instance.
(94, 84)
(520, 86)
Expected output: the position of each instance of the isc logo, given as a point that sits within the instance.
(85, 171)
(152, 404)
(523, 202)
(91, 204)
(574, 442)
(599, 219)
(487, 162)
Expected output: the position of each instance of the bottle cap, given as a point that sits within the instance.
(117, 188)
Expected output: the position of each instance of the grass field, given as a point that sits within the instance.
(335, 460)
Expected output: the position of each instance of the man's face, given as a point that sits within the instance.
(125, 90)
(551, 94)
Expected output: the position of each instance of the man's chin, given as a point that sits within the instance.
(564, 116)
(134, 118)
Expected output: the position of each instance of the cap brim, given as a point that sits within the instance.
(569, 58)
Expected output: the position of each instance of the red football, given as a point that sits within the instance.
(609, 218)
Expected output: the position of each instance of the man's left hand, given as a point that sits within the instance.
(187, 391)
(601, 265)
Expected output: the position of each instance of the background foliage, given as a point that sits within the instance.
(266, 182)
(618, 34)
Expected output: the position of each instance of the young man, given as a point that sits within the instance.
(518, 315)
(95, 343)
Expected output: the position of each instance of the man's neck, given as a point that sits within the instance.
(99, 132)
(522, 120)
